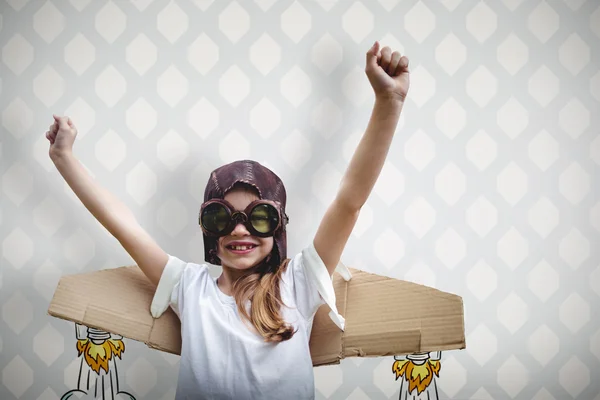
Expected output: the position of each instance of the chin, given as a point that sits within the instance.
(241, 262)
(242, 265)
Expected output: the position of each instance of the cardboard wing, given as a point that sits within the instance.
(384, 316)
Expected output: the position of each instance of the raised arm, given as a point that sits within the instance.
(388, 74)
(106, 208)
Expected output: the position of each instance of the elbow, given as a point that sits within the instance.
(349, 206)
(349, 198)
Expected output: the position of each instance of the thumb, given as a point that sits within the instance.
(372, 55)
(62, 123)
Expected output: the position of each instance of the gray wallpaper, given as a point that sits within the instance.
(490, 190)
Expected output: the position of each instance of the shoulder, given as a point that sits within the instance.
(311, 284)
(188, 271)
(294, 267)
(304, 265)
(300, 281)
(177, 278)
(184, 275)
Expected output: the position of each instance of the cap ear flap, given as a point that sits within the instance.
(210, 249)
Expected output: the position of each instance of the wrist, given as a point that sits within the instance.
(391, 98)
(57, 156)
(389, 104)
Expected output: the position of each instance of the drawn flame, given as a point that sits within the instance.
(418, 376)
(99, 355)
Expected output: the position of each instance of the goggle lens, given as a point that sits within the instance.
(215, 218)
(263, 219)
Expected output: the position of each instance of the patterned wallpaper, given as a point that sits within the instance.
(490, 190)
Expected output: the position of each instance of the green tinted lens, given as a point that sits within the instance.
(215, 218)
(264, 218)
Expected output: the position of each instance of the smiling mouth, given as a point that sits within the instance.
(241, 249)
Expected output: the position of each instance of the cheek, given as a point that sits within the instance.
(220, 246)
(268, 244)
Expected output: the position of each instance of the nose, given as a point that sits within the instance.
(240, 230)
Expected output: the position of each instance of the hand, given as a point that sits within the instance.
(387, 72)
(61, 134)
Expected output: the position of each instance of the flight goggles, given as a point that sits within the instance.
(261, 218)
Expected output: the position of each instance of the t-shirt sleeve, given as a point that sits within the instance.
(303, 287)
(175, 280)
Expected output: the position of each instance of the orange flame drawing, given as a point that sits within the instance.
(98, 355)
(418, 376)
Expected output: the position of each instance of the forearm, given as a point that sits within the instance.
(368, 159)
(105, 207)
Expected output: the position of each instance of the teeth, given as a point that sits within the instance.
(241, 247)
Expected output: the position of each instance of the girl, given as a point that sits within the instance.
(246, 334)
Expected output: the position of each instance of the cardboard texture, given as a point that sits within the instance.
(384, 316)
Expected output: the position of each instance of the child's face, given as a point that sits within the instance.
(261, 247)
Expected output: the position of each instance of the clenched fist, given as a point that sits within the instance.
(387, 72)
(61, 134)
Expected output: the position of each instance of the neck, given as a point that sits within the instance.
(229, 276)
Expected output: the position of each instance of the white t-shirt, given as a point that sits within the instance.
(222, 359)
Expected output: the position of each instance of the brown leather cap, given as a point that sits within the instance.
(269, 187)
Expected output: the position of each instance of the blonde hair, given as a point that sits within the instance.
(263, 291)
(261, 287)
